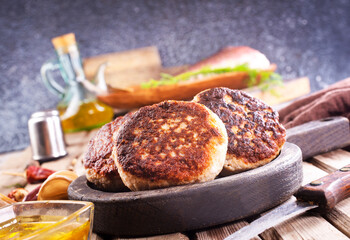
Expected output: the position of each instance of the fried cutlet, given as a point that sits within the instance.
(98, 162)
(255, 136)
(170, 143)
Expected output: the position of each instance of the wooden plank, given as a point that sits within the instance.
(174, 236)
(78, 166)
(66, 162)
(75, 138)
(76, 163)
(288, 91)
(4, 157)
(332, 161)
(219, 233)
(307, 226)
(17, 163)
(310, 173)
(310, 225)
(126, 68)
(340, 215)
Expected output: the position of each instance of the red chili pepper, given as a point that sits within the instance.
(37, 174)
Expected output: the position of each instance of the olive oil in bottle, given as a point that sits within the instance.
(79, 107)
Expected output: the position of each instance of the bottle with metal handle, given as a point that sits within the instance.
(79, 108)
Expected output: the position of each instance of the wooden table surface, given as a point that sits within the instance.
(311, 225)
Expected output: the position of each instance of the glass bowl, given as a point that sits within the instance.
(4, 200)
(46, 220)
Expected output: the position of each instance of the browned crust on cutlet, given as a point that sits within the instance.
(253, 128)
(99, 150)
(153, 145)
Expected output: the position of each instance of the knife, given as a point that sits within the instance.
(323, 193)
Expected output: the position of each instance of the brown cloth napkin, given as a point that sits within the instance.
(332, 101)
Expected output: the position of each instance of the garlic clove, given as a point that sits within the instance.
(55, 186)
(65, 173)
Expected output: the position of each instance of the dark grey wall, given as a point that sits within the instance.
(305, 38)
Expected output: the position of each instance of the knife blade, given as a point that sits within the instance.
(323, 193)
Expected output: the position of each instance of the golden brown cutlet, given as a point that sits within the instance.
(98, 162)
(255, 135)
(170, 143)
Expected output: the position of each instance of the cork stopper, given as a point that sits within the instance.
(64, 41)
(58, 42)
(69, 39)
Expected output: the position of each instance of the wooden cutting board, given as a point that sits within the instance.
(126, 68)
(225, 199)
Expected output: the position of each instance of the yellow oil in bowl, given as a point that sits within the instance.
(24, 227)
(46, 220)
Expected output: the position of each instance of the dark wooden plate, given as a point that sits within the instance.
(225, 199)
(195, 206)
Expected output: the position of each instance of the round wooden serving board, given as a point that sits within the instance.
(189, 207)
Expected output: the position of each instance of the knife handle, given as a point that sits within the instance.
(328, 190)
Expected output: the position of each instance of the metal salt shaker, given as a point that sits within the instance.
(46, 135)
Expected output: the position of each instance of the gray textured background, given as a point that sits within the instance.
(305, 38)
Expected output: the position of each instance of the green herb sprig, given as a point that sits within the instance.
(265, 80)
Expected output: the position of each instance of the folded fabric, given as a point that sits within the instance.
(332, 101)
